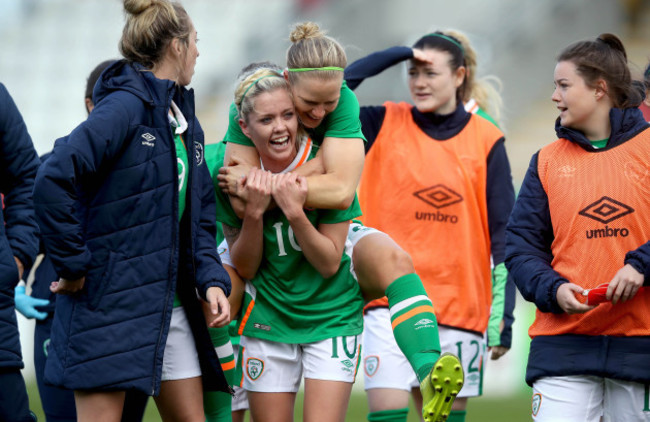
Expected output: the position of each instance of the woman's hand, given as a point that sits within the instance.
(67, 287)
(257, 190)
(219, 307)
(289, 193)
(233, 176)
(625, 284)
(422, 55)
(566, 298)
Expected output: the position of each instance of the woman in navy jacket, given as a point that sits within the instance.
(18, 248)
(126, 208)
(581, 226)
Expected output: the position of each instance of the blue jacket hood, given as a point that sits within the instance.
(625, 123)
(121, 76)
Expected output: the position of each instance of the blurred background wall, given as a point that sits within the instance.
(50, 46)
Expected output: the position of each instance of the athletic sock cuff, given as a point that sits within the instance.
(404, 287)
(219, 335)
(391, 415)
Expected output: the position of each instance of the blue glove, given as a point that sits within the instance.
(26, 305)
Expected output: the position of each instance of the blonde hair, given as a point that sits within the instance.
(311, 48)
(150, 26)
(253, 83)
(486, 90)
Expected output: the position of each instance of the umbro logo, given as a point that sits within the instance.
(423, 323)
(262, 326)
(606, 210)
(438, 196)
(148, 139)
(566, 171)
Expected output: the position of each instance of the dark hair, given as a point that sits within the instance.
(446, 42)
(605, 58)
(94, 75)
(646, 77)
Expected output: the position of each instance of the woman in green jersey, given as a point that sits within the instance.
(302, 313)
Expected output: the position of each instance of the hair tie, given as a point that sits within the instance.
(450, 39)
(309, 69)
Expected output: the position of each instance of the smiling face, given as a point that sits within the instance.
(576, 101)
(272, 126)
(433, 86)
(188, 59)
(315, 98)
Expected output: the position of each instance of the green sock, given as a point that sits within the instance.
(457, 416)
(414, 323)
(217, 404)
(392, 415)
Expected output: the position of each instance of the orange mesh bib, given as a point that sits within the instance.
(430, 197)
(599, 204)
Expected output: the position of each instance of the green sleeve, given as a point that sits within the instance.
(331, 216)
(486, 116)
(234, 133)
(214, 154)
(344, 121)
(214, 158)
(225, 212)
(499, 279)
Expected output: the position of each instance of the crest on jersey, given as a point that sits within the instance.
(198, 152)
(370, 365)
(254, 368)
(537, 403)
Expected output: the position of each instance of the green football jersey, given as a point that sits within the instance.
(288, 301)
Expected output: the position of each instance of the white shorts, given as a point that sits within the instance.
(240, 398)
(385, 366)
(587, 398)
(271, 367)
(356, 232)
(180, 359)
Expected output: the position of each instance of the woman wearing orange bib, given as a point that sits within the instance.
(577, 244)
(437, 180)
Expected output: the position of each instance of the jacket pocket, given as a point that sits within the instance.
(104, 281)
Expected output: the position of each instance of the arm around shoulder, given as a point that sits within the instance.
(343, 163)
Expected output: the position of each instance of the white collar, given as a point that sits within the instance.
(177, 120)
